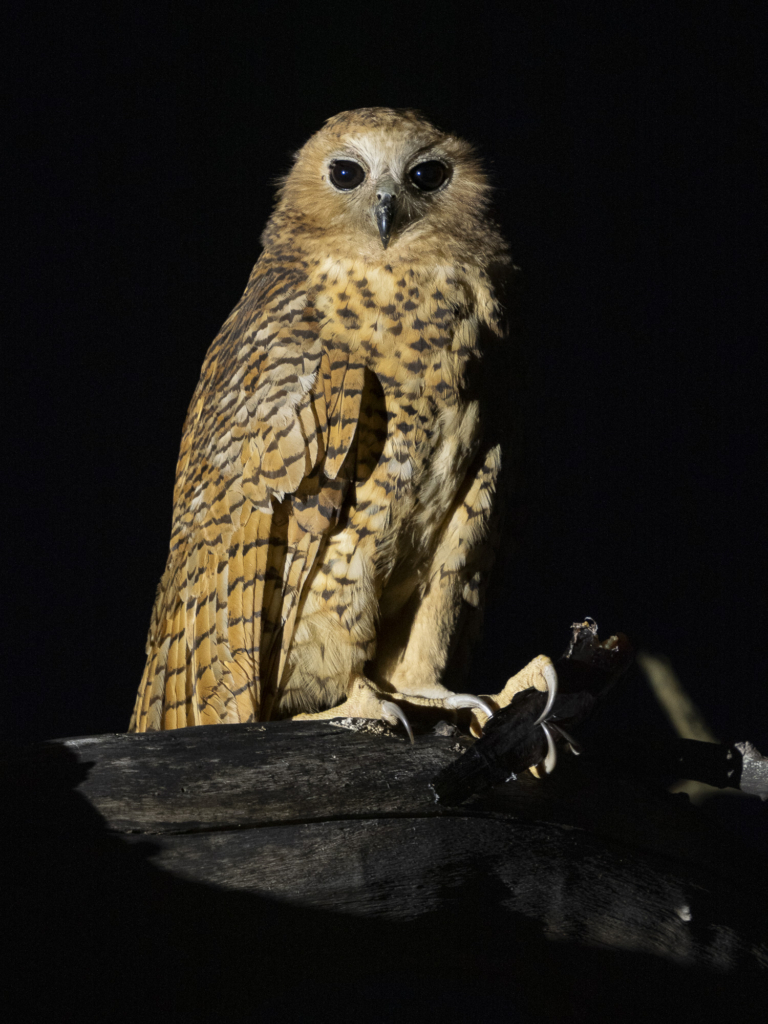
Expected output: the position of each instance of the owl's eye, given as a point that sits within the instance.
(429, 176)
(346, 174)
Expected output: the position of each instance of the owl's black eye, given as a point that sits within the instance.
(429, 176)
(346, 174)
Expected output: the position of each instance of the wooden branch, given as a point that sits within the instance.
(310, 825)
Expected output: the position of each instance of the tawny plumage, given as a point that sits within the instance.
(335, 486)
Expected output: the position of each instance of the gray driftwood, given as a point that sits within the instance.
(551, 895)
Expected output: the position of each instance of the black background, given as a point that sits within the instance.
(620, 138)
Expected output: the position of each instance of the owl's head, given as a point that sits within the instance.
(384, 185)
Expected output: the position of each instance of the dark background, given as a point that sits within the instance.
(146, 140)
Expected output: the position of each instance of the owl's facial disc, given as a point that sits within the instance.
(388, 184)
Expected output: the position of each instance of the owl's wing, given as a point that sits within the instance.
(260, 482)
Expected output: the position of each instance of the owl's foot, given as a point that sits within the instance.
(540, 674)
(364, 700)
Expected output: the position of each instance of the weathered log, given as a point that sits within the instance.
(210, 871)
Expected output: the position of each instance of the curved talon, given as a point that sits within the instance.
(468, 700)
(397, 711)
(551, 759)
(550, 677)
(575, 746)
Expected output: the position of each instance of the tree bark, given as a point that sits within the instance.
(217, 869)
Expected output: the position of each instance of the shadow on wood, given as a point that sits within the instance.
(279, 872)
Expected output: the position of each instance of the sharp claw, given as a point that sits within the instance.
(468, 700)
(397, 711)
(550, 677)
(575, 746)
(551, 759)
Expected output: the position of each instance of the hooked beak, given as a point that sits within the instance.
(385, 214)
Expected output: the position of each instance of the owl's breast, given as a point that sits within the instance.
(416, 332)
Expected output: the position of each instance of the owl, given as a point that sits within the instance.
(336, 492)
